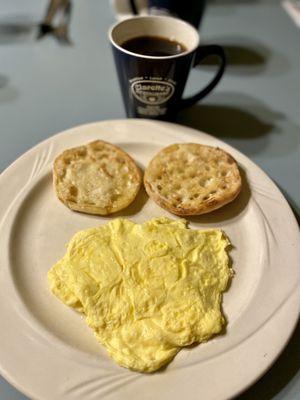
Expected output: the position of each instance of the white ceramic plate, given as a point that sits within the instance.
(48, 352)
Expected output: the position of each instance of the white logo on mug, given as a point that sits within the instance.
(152, 92)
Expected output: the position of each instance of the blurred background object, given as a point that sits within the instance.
(57, 20)
(191, 11)
(292, 7)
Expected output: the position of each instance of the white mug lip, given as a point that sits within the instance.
(162, 17)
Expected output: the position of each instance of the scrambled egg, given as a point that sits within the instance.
(146, 289)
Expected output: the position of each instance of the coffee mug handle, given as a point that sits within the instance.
(201, 53)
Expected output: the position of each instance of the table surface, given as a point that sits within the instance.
(46, 87)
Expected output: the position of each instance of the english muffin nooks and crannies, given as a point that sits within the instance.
(96, 178)
(146, 290)
(192, 179)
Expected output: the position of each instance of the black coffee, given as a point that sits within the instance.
(154, 46)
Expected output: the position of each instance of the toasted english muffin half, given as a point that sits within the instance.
(192, 179)
(96, 178)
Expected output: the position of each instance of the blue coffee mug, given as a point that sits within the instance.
(152, 86)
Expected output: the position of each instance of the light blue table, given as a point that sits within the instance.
(46, 88)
